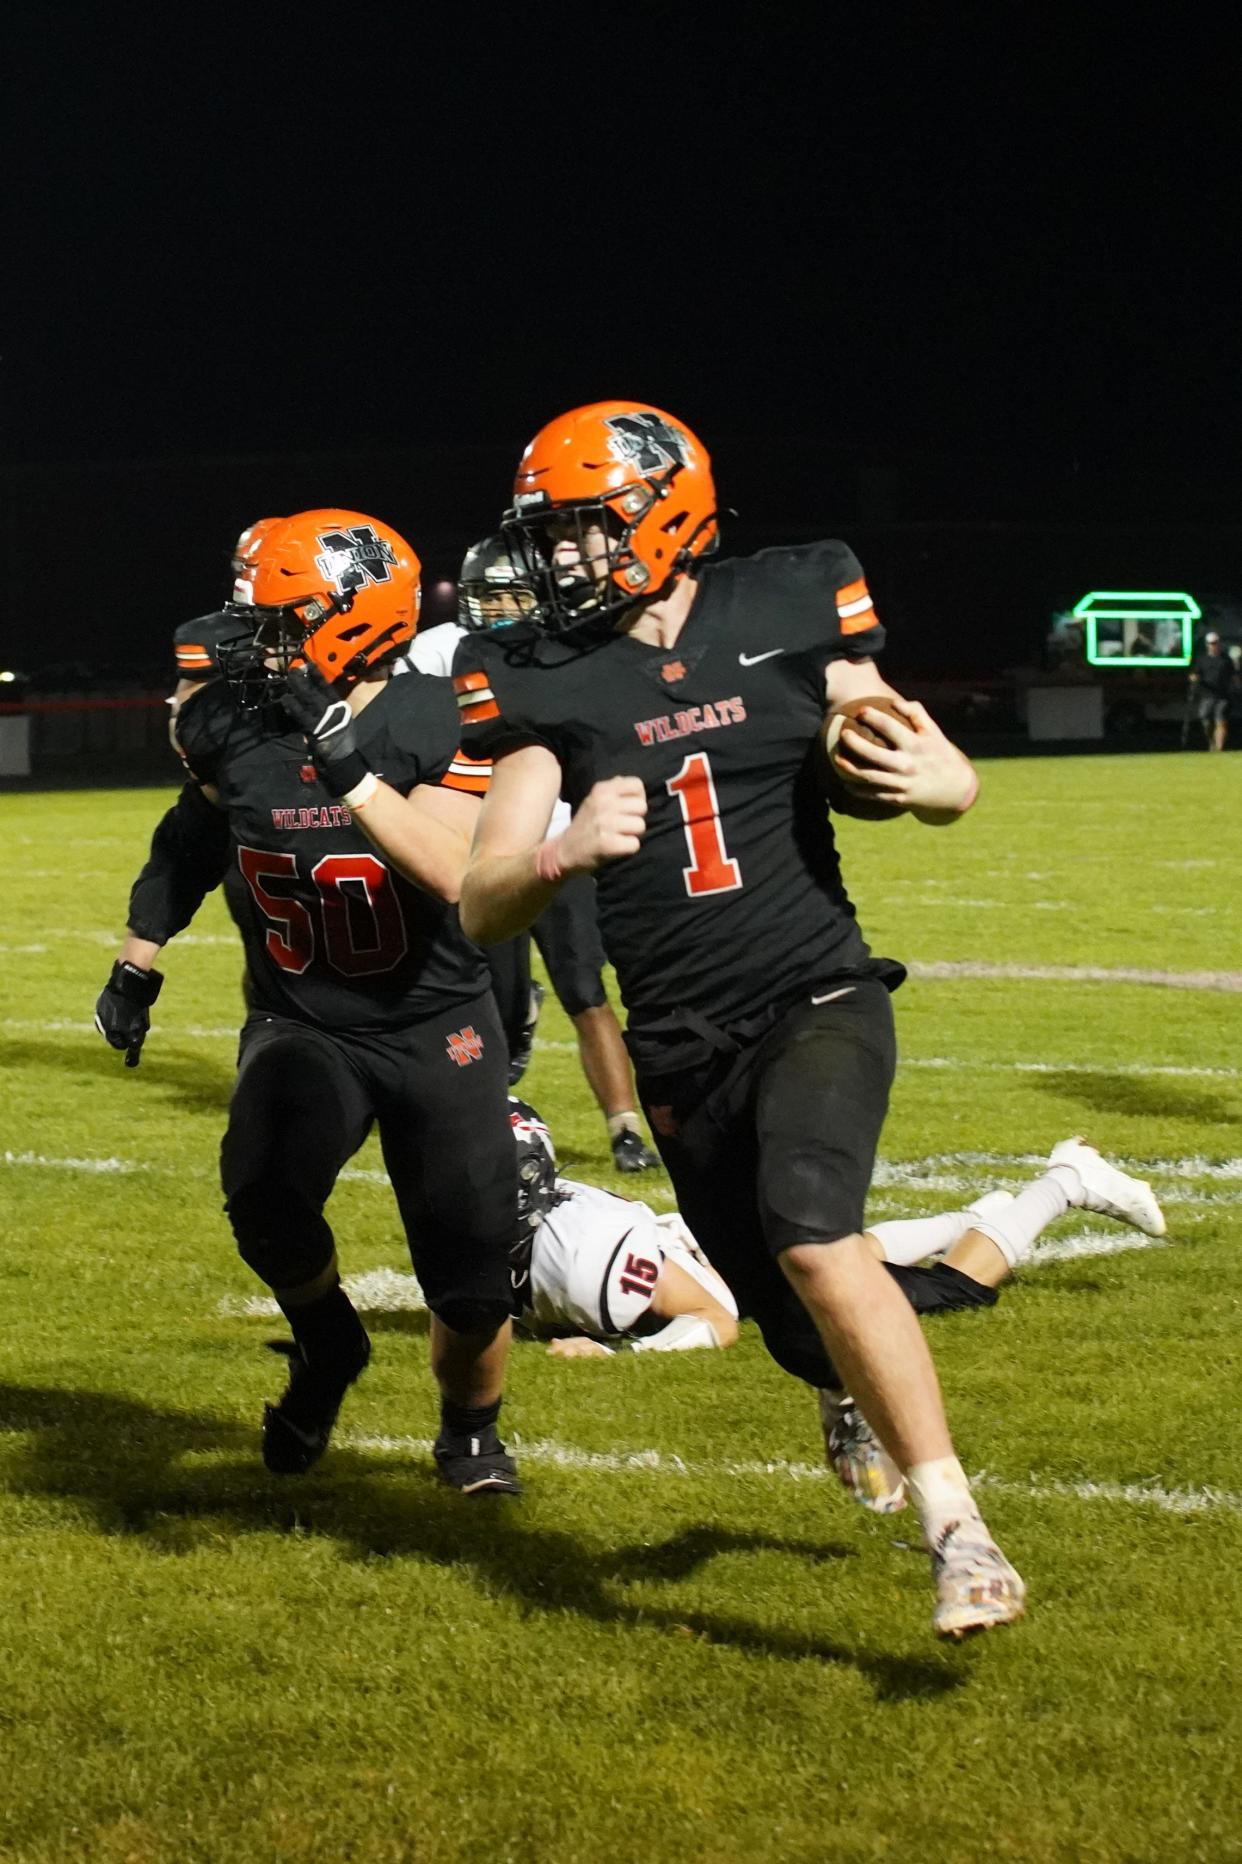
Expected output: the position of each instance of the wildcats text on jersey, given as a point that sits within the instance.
(695, 718)
(329, 815)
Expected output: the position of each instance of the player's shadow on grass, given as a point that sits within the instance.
(119, 1457)
(1103, 1092)
(167, 1075)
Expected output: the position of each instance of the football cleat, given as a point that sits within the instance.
(976, 1588)
(630, 1154)
(523, 1048)
(862, 1464)
(1107, 1189)
(477, 1465)
(296, 1431)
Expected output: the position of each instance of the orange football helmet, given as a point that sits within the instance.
(332, 587)
(245, 550)
(630, 471)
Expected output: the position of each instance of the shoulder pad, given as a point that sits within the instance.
(821, 591)
(632, 1272)
(196, 643)
(413, 736)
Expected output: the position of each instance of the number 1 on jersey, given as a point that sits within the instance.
(711, 869)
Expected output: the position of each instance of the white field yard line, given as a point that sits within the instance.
(963, 1173)
(1077, 974)
(228, 1032)
(660, 1463)
(389, 1291)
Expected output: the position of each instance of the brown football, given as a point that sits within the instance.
(845, 795)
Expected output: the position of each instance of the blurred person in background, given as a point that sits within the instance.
(1213, 684)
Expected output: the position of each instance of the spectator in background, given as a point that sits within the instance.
(1212, 680)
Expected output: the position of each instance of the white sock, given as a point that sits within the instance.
(908, 1239)
(942, 1496)
(626, 1122)
(1015, 1228)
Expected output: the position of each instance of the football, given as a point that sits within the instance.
(845, 794)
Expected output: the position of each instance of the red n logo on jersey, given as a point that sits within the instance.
(464, 1046)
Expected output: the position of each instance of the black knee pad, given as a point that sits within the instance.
(792, 1339)
(284, 1239)
(465, 1313)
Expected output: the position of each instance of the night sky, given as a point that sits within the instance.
(379, 249)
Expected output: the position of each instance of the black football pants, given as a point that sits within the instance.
(304, 1101)
(774, 1144)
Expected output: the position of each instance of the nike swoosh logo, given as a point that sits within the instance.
(752, 660)
(832, 995)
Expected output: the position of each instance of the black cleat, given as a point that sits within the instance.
(524, 1047)
(296, 1431)
(477, 1465)
(630, 1154)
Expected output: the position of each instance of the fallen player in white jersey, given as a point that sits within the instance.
(593, 1271)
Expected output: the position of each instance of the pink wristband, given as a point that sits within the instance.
(548, 861)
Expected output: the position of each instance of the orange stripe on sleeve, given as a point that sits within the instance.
(855, 609)
(475, 714)
(468, 682)
(859, 624)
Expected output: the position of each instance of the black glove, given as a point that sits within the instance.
(121, 1011)
(326, 719)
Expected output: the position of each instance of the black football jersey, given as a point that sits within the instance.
(333, 935)
(735, 898)
(196, 643)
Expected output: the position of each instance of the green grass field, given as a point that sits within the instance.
(684, 1643)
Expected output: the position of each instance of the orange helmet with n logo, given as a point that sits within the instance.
(332, 587)
(623, 469)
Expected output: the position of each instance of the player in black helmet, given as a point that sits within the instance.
(492, 595)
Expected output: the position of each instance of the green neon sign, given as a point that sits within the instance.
(1139, 627)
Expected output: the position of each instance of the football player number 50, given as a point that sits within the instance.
(711, 869)
(361, 924)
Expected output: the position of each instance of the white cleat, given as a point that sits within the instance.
(976, 1588)
(862, 1464)
(1108, 1190)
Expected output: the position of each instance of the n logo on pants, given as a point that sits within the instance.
(464, 1046)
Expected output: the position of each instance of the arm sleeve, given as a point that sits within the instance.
(189, 853)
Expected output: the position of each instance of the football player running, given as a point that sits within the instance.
(366, 1003)
(491, 594)
(677, 704)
